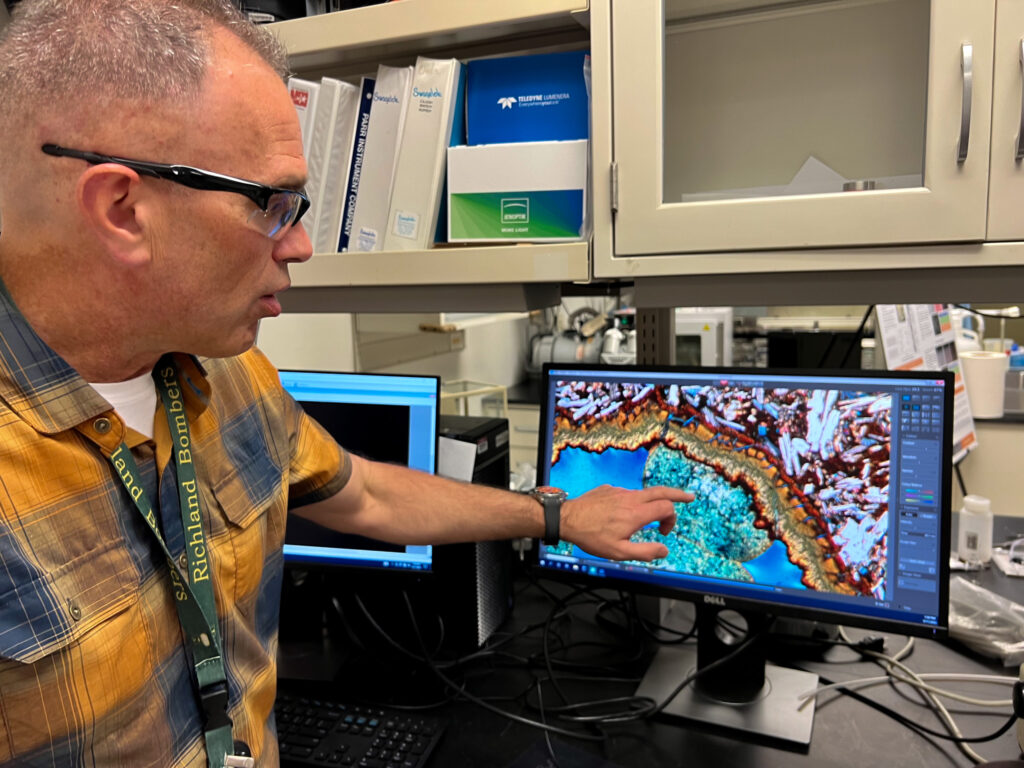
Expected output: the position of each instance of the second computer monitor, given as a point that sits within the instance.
(391, 418)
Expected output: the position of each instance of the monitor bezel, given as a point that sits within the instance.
(741, 604)
(341, 566)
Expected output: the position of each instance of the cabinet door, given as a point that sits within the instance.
(850, 122)
(1006, 189)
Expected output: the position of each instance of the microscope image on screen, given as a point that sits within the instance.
(792, 485)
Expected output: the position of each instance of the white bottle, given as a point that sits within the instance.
(975, 541)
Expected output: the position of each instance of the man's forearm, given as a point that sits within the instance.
(403, 506)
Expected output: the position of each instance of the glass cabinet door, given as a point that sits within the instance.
(1006, 193)
(745, 125)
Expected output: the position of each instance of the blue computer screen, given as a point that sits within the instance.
(383, 417)
(823, 494)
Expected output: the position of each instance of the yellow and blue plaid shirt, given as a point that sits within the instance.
(94, 668)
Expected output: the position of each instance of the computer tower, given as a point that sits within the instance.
(472, 584)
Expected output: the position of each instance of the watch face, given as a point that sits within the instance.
(549, 490)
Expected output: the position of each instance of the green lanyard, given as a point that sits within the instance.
(193, 590)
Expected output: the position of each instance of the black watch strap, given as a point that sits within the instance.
(552, 519)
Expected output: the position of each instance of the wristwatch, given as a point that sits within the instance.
(551, 499)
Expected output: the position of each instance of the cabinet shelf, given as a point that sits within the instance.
(526, 263)
(490, 278)
(498, 278)
(975, 272)
(353, 41)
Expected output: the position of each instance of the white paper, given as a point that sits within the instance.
(921, 337)
(455, 459)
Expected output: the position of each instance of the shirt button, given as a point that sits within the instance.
(74, 610)
(183, 561)
(102, 425)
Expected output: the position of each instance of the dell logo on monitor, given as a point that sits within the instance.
(714, 600)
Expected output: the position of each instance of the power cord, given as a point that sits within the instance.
(853, 342)
(644, 707)
(973, 311)
(481, 702)
(893, 663)
(959, 739)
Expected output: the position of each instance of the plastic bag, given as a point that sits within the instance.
(986, 622)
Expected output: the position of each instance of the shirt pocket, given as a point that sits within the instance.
(46, 612)
(243, 499)
(247, 529)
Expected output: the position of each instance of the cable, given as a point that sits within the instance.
(957, 736)
(960, 478)
(978, 312)
(857, 336)
(481, 702)
(644, 706)
(547, 735)
(853, 342)
(961, 740)
(380, 630)
(865, 682)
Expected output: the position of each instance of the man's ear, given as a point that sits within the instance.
(110, 198)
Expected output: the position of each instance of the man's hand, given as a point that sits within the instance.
(602, 520)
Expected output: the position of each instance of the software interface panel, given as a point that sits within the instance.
(822, 493)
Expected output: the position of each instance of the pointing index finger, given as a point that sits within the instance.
(675, 495)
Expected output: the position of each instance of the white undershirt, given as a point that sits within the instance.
(134, 400)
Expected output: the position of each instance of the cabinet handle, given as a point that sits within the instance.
(1020, 136)
(967, 63)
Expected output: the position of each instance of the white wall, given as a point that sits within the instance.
(494, 354)
(995, 469)
(309, 341)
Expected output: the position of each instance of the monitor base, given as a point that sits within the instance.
(774, 713)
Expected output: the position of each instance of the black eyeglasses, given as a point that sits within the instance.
(278, 208)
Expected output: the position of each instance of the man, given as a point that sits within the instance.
(140, 557)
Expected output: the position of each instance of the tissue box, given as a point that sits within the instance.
(532, 192)
(543, 97)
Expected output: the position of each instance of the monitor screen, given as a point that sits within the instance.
(384, 417)
(822, 495)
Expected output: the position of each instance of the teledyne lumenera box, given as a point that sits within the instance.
(540, 97)
(527, 191)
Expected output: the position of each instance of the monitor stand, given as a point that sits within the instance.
(745, 694)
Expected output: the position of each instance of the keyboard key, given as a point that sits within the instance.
(319, 732)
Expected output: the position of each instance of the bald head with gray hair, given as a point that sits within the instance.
(129, 49)
(66, 55)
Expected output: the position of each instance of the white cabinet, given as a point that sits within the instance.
(737, 126)
(1006, 187)
(723, 132)
(351, 43)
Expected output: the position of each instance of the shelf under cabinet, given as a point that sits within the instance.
(528, 263)
(348, 40)
(495, 278)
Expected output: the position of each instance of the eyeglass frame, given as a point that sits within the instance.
(194, 178)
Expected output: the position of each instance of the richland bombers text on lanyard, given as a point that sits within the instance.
(193, 592)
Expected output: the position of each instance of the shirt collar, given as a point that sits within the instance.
(47, 393)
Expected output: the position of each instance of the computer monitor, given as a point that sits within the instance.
(384, 417)
(820, 495)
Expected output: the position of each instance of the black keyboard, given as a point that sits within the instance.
(318, 732)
